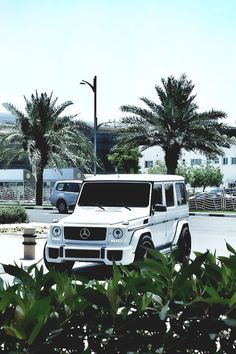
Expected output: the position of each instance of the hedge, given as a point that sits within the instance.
(15, 214)
(159, 306)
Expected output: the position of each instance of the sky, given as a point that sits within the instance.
(51, 45)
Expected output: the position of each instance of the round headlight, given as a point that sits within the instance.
(117, 233)
(56, 231)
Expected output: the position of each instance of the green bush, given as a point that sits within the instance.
(157, 307)
(15, 214)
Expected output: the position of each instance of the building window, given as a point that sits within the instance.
(233, 160)
(225, 161)
(214, 161)
(196, 162)
(148, 164)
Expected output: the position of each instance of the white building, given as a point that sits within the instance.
(226, 163)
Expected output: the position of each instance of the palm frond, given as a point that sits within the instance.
(174, 122)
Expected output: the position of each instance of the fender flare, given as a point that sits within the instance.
(181, 224)
(137, 234)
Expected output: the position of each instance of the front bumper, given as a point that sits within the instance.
(107, 255)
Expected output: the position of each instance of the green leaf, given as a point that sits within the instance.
(40, 308)
(213, 293)
(230, 248)
(164, 312)
(18, 273)
(12, 331)
(232, 300)
(154, 266)
(6, 298)
(187, 271)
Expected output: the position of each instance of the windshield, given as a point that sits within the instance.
(124, 194)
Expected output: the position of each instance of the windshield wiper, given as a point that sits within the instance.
(99, 206)
(93, 205)
(123, 206)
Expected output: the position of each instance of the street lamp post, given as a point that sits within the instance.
(94, 88)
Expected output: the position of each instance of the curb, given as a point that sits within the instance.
(39, 207)
(214, 215)
(27, 206)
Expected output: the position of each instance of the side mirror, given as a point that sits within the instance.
(159, 207)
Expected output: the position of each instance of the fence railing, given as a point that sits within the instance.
(201, 202)
(26, 196)
(207, 202)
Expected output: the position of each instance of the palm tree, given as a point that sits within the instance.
(174, 123)
(47, 138)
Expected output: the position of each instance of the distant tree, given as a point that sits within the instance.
(206, 176)
(202, 176)
(159, 168)
(174, 123)
(181, 170)
(47, 138)
(125, 159)
(186, 172)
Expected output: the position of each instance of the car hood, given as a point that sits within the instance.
(110, 216)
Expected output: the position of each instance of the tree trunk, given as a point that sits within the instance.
(39, 186)
(171, 159)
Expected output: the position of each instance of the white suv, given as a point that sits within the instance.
(117, 217)
(64, 194)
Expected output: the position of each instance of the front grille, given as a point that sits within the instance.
(82, 253)
(85, 233)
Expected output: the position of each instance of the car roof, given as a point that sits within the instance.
(69, 181)
(136, 178)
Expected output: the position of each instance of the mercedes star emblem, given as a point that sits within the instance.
(84, 233)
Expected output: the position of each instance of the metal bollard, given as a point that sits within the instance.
(29, 243)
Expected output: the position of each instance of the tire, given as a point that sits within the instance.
(60, 267)
(141, 253)
(184, 245)
(62, 206)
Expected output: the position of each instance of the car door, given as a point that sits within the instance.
(158, 217)
(171, 210)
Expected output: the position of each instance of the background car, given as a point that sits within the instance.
(64, 195)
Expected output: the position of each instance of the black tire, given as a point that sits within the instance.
(141, 253)
(184, 245)
(60, 267)
(62, 206)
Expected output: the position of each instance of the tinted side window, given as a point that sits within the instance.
(169, 190)
(181, 193)
(60, 187)
(157, 194)
(76, 187)
(70, 187)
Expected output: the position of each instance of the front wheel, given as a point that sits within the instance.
(62, 207)
(141, 252)
(184, 245)
(60, 267)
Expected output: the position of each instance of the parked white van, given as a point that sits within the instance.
(117, 217)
